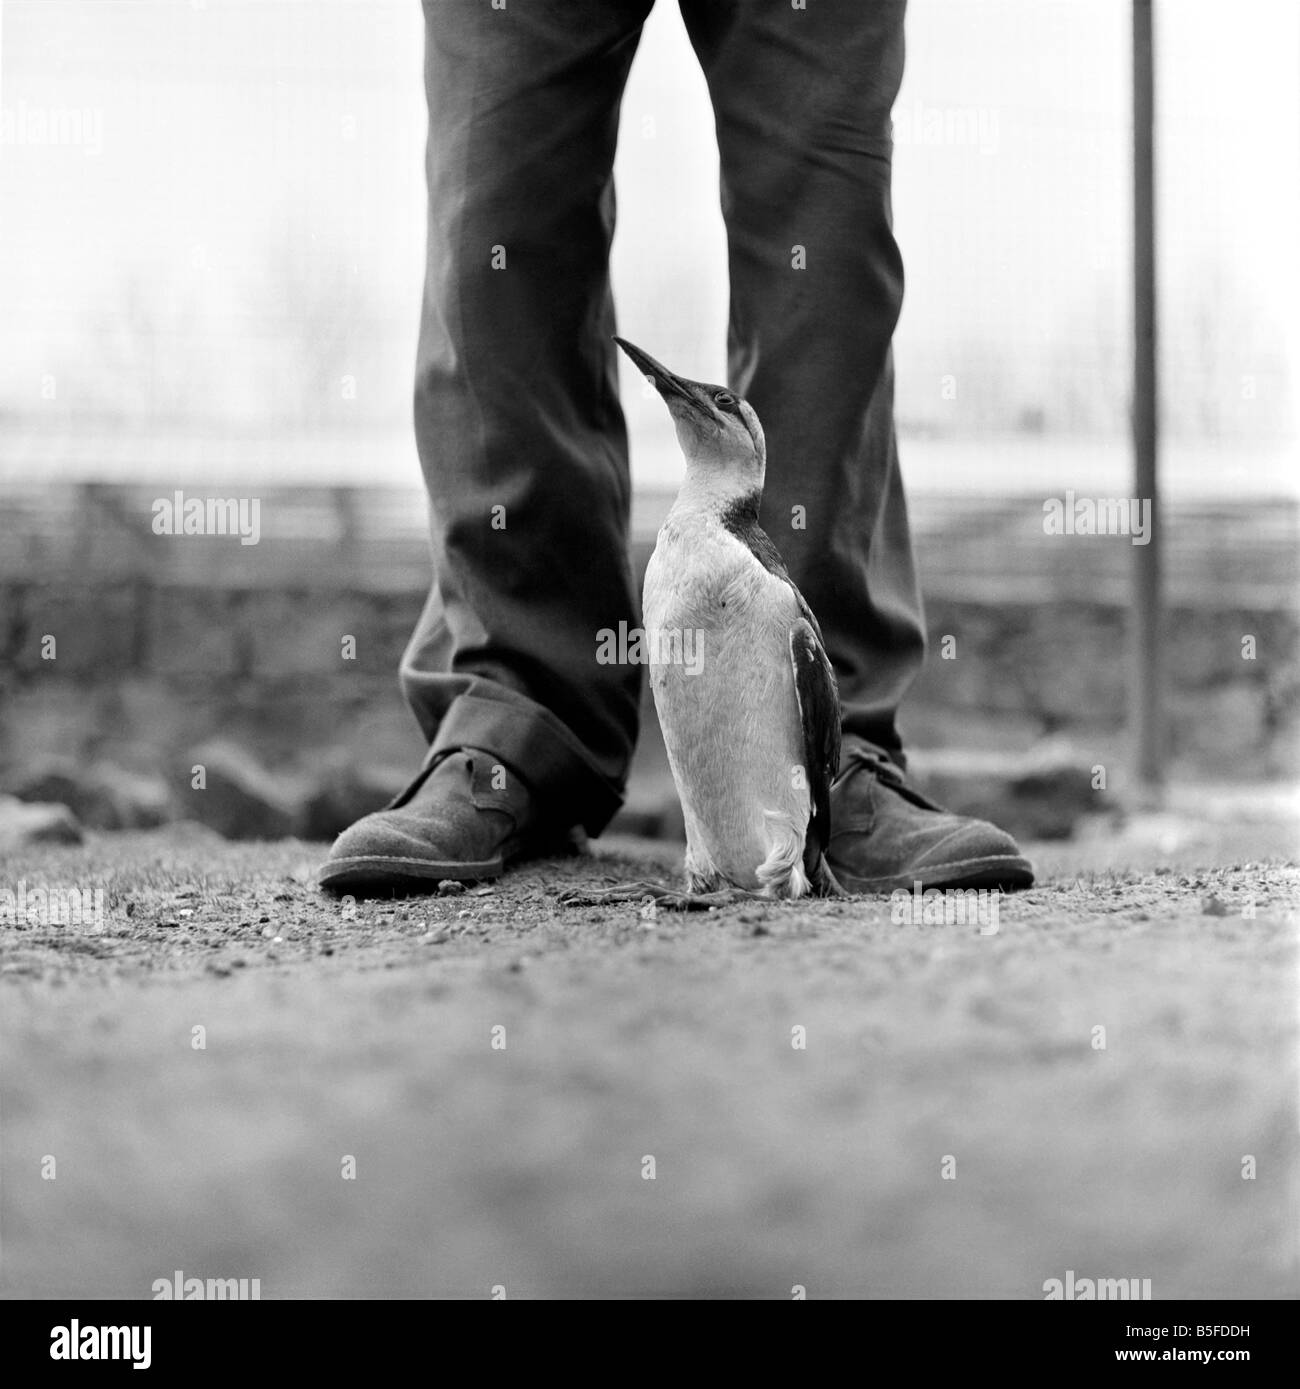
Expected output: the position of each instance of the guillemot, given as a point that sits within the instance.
(752, 727)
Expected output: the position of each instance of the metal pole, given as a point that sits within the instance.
(1146, 665)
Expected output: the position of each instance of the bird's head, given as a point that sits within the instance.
(719, 433)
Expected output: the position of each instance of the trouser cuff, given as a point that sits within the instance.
(538, 747)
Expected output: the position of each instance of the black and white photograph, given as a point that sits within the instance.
(649, 652)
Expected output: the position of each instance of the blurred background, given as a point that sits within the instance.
(211, 251)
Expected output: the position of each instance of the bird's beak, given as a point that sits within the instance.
(665, 382)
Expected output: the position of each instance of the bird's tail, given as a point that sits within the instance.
(784, 873)
(781, 874)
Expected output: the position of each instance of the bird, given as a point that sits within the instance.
(744, 690)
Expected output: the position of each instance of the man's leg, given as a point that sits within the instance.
(802, 99)
(521, 437)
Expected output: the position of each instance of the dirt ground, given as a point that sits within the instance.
(352, 1125)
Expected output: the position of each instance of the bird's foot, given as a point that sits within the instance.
(670, 898)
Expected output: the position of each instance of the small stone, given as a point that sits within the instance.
(449, 887)
(102, 797)
(1214, 906)
(241, 799)
(36, 822)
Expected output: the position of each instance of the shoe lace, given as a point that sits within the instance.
(874, 759)
(868, 757)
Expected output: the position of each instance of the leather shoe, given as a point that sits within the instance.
(885, 835)
(465, 817)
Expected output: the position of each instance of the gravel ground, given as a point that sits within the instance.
(354, 1125)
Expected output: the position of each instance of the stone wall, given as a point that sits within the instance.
(148, 666)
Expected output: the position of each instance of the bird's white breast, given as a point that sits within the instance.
(732, 726)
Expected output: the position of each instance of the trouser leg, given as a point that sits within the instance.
(520, 432)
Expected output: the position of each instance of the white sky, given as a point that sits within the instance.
(218, 129)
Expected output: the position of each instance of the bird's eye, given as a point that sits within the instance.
(724, 398)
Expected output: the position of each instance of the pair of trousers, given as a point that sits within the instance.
(520, 433)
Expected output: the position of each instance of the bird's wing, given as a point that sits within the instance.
(819, 713)
(746, 529)
(814, 684)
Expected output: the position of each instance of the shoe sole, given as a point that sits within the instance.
(1007, 871)
(386, 873)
